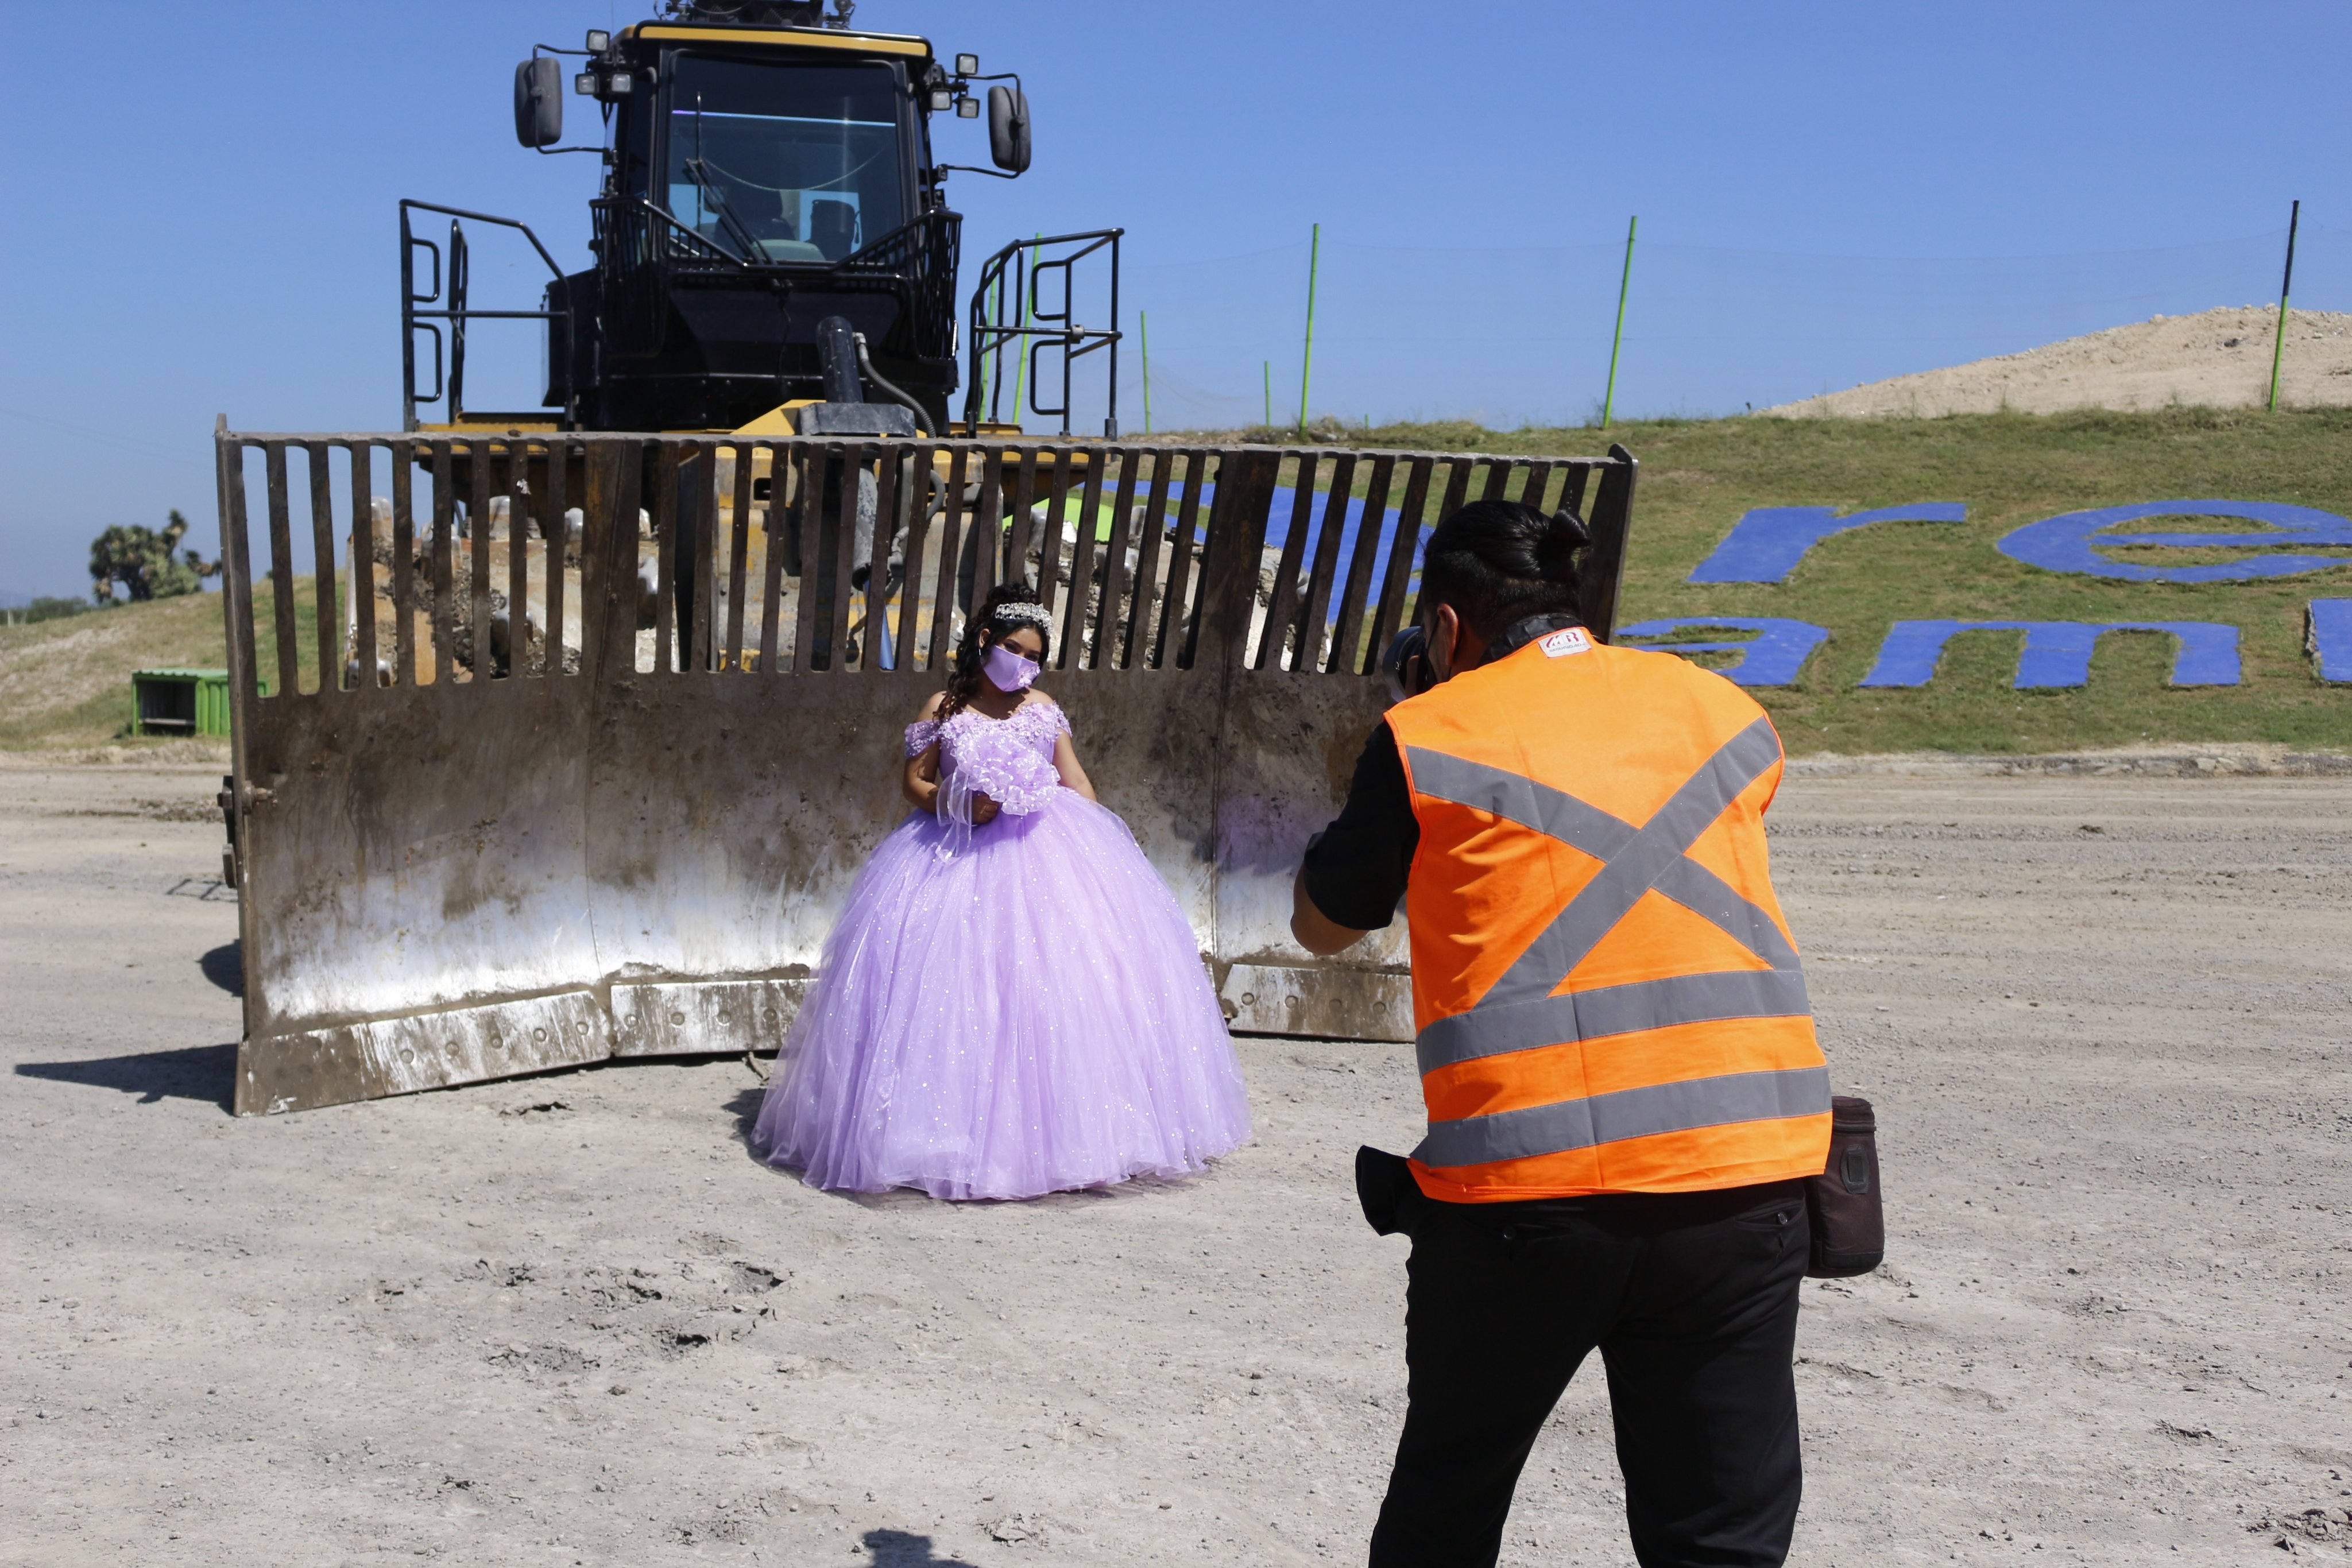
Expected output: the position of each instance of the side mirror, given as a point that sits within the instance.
(1008, 129)
(538, 101)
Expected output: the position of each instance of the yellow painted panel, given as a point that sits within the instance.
(790, 37)
(494, 425)
(777, 421)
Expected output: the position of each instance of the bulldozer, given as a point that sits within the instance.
(567, 738)
(774, 248)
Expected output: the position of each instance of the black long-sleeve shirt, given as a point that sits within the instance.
(1356, 868)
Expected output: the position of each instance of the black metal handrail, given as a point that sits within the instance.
(1017, 270)
(694, 246)
(450, 380)
(923, 254)
(636, 239)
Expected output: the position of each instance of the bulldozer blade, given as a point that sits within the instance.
(624, 827)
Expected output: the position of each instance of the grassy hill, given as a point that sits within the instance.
(67, 683)
(1699, 476)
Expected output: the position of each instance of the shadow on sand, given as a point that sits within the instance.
(225, 967)
(206, 1072)
(898, 1549)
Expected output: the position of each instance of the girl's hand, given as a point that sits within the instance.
(983, 810)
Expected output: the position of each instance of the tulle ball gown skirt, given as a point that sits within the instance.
(1004, 1011)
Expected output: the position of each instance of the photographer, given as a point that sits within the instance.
(1622, 1084)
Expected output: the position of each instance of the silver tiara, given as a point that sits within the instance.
(1027, 614)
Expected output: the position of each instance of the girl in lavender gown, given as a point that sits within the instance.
(1011, 1003)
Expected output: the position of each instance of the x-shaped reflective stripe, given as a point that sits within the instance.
(1519, 1012)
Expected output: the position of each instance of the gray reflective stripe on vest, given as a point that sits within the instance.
(1637, 864)
(1702, 893)
(1610, 1009)
(1519, 1012)
(1519, 799)
(1627, 1114)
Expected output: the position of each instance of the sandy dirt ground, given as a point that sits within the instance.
(569, 1321)
(2216, 359)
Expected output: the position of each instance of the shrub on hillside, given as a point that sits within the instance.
(45, 608)
(144, 561)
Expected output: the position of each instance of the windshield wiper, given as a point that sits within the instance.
(734, 227)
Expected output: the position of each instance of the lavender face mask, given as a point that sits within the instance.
(1008, 671)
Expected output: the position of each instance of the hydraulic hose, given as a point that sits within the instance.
(866, 368)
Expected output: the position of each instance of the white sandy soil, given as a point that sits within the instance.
(2215, 359)
(569, 1321)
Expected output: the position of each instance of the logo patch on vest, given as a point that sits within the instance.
(1568, 639)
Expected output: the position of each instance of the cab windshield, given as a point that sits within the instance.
(781, 162)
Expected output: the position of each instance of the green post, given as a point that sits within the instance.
(1608, 398)
(2278, 347)
(1306, 368)
(1143, 331)
(1269, 394)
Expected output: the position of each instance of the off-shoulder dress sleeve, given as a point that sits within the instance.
(920, 733)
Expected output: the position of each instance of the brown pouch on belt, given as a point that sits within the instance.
(1849, 1223)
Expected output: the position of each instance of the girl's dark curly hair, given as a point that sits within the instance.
(988, 627)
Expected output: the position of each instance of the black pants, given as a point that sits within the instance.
(1692, 1300)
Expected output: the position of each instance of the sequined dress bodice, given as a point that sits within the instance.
(1009, 760)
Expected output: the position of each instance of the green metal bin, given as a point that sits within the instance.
(181, 701)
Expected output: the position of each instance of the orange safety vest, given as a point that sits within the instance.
(1606, 997)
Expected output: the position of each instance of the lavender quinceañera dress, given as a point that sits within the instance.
(1007, 1010)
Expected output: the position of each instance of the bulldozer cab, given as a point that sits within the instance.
(769, 185)
(784, 160)
(763, 180)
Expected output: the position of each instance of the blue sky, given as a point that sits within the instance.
(1828, 194)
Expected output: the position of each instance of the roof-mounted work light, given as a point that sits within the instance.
(599, 40)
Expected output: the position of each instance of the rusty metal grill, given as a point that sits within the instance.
(574, 742)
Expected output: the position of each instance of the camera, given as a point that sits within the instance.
(1406, 664)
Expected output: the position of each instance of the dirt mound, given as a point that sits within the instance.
(2217, 358)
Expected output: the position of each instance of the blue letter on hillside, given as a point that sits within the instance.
(2331, 638)
(2057, 653)
(1771, 658)
(2071, 541)
(1766, 544)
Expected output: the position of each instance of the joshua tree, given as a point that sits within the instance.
(144, 561)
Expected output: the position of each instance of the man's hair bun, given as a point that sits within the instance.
(1555, 551)
(1496, 561)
